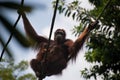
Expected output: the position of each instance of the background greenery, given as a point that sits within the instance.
(11, 71)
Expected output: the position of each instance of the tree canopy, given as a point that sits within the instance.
(11, 71)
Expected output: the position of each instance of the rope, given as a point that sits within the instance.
(51, 30)
(43, 63)
(107, 4)
(14, 26)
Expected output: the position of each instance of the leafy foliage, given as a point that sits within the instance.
(11, 71)
(75, 11)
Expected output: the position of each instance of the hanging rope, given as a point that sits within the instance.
(107, 4)
(43, 63)
(14, 26)
(51, 30)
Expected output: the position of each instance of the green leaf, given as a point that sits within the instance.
(73, 16)
(68, 13)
